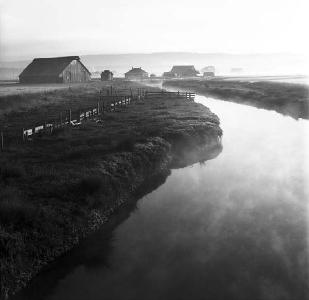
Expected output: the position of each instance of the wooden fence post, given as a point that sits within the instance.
(98, 108)
(70, 116)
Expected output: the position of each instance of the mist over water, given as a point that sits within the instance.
(234, 227)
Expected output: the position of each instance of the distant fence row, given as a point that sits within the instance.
(163, 94)
(109, 100)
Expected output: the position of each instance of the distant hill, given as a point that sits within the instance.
(251, 64)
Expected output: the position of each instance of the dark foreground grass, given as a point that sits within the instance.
(286, 98)
(58, 188)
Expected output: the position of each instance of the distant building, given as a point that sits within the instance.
(169, 75)
(136, 74)
(184, 71)
(208, 74)
(107, 75)
(208, 71)
(55, 70)
(153, 75)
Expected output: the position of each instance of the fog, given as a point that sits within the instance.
(234, 227)
(157, 63)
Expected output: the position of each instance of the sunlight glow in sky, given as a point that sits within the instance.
(52, 27)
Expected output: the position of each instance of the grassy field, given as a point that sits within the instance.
(8, 88)
(285, 98)
(59, 187)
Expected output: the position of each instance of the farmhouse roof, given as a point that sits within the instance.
(184, 69)
(135, 71)
(52, 66)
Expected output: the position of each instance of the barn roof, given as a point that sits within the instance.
(184, 69)
(136, 71)
(52, 66)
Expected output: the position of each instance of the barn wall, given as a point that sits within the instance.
(75, 72)
(40, 79)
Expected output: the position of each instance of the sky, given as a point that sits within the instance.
(63, 27)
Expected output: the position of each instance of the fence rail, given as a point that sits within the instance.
(163, 94)
(105, 104)
(108, 101)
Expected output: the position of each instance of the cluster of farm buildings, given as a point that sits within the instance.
(70, 69)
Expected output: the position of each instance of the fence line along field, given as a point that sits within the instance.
(62, 108)
(21, 126)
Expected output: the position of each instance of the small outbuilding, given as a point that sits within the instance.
(184, 71)
(209, 71)
(55, 70)
(169, 75)
(136, 74)
(107, 75)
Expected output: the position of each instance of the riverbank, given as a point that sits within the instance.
(285, 98)
(60, 187)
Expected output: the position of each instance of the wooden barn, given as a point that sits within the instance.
(184, 71)
(136, 74)
(107, 75)
(55, 70)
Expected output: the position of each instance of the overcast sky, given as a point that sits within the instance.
(31, 28)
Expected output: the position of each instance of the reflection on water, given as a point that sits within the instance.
(235, 227)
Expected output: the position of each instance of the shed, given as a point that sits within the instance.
(184, 71)
(208, 74)
(136, 74)
(209, 71)
(55, 70)
(107, 75)
(169, 75)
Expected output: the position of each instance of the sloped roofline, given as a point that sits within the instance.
(68, 58)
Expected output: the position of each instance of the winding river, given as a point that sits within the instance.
(234, 227)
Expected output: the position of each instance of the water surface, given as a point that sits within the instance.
(235, 227)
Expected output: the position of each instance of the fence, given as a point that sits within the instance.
(109, 100)
(163, 94)
(106, 103)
